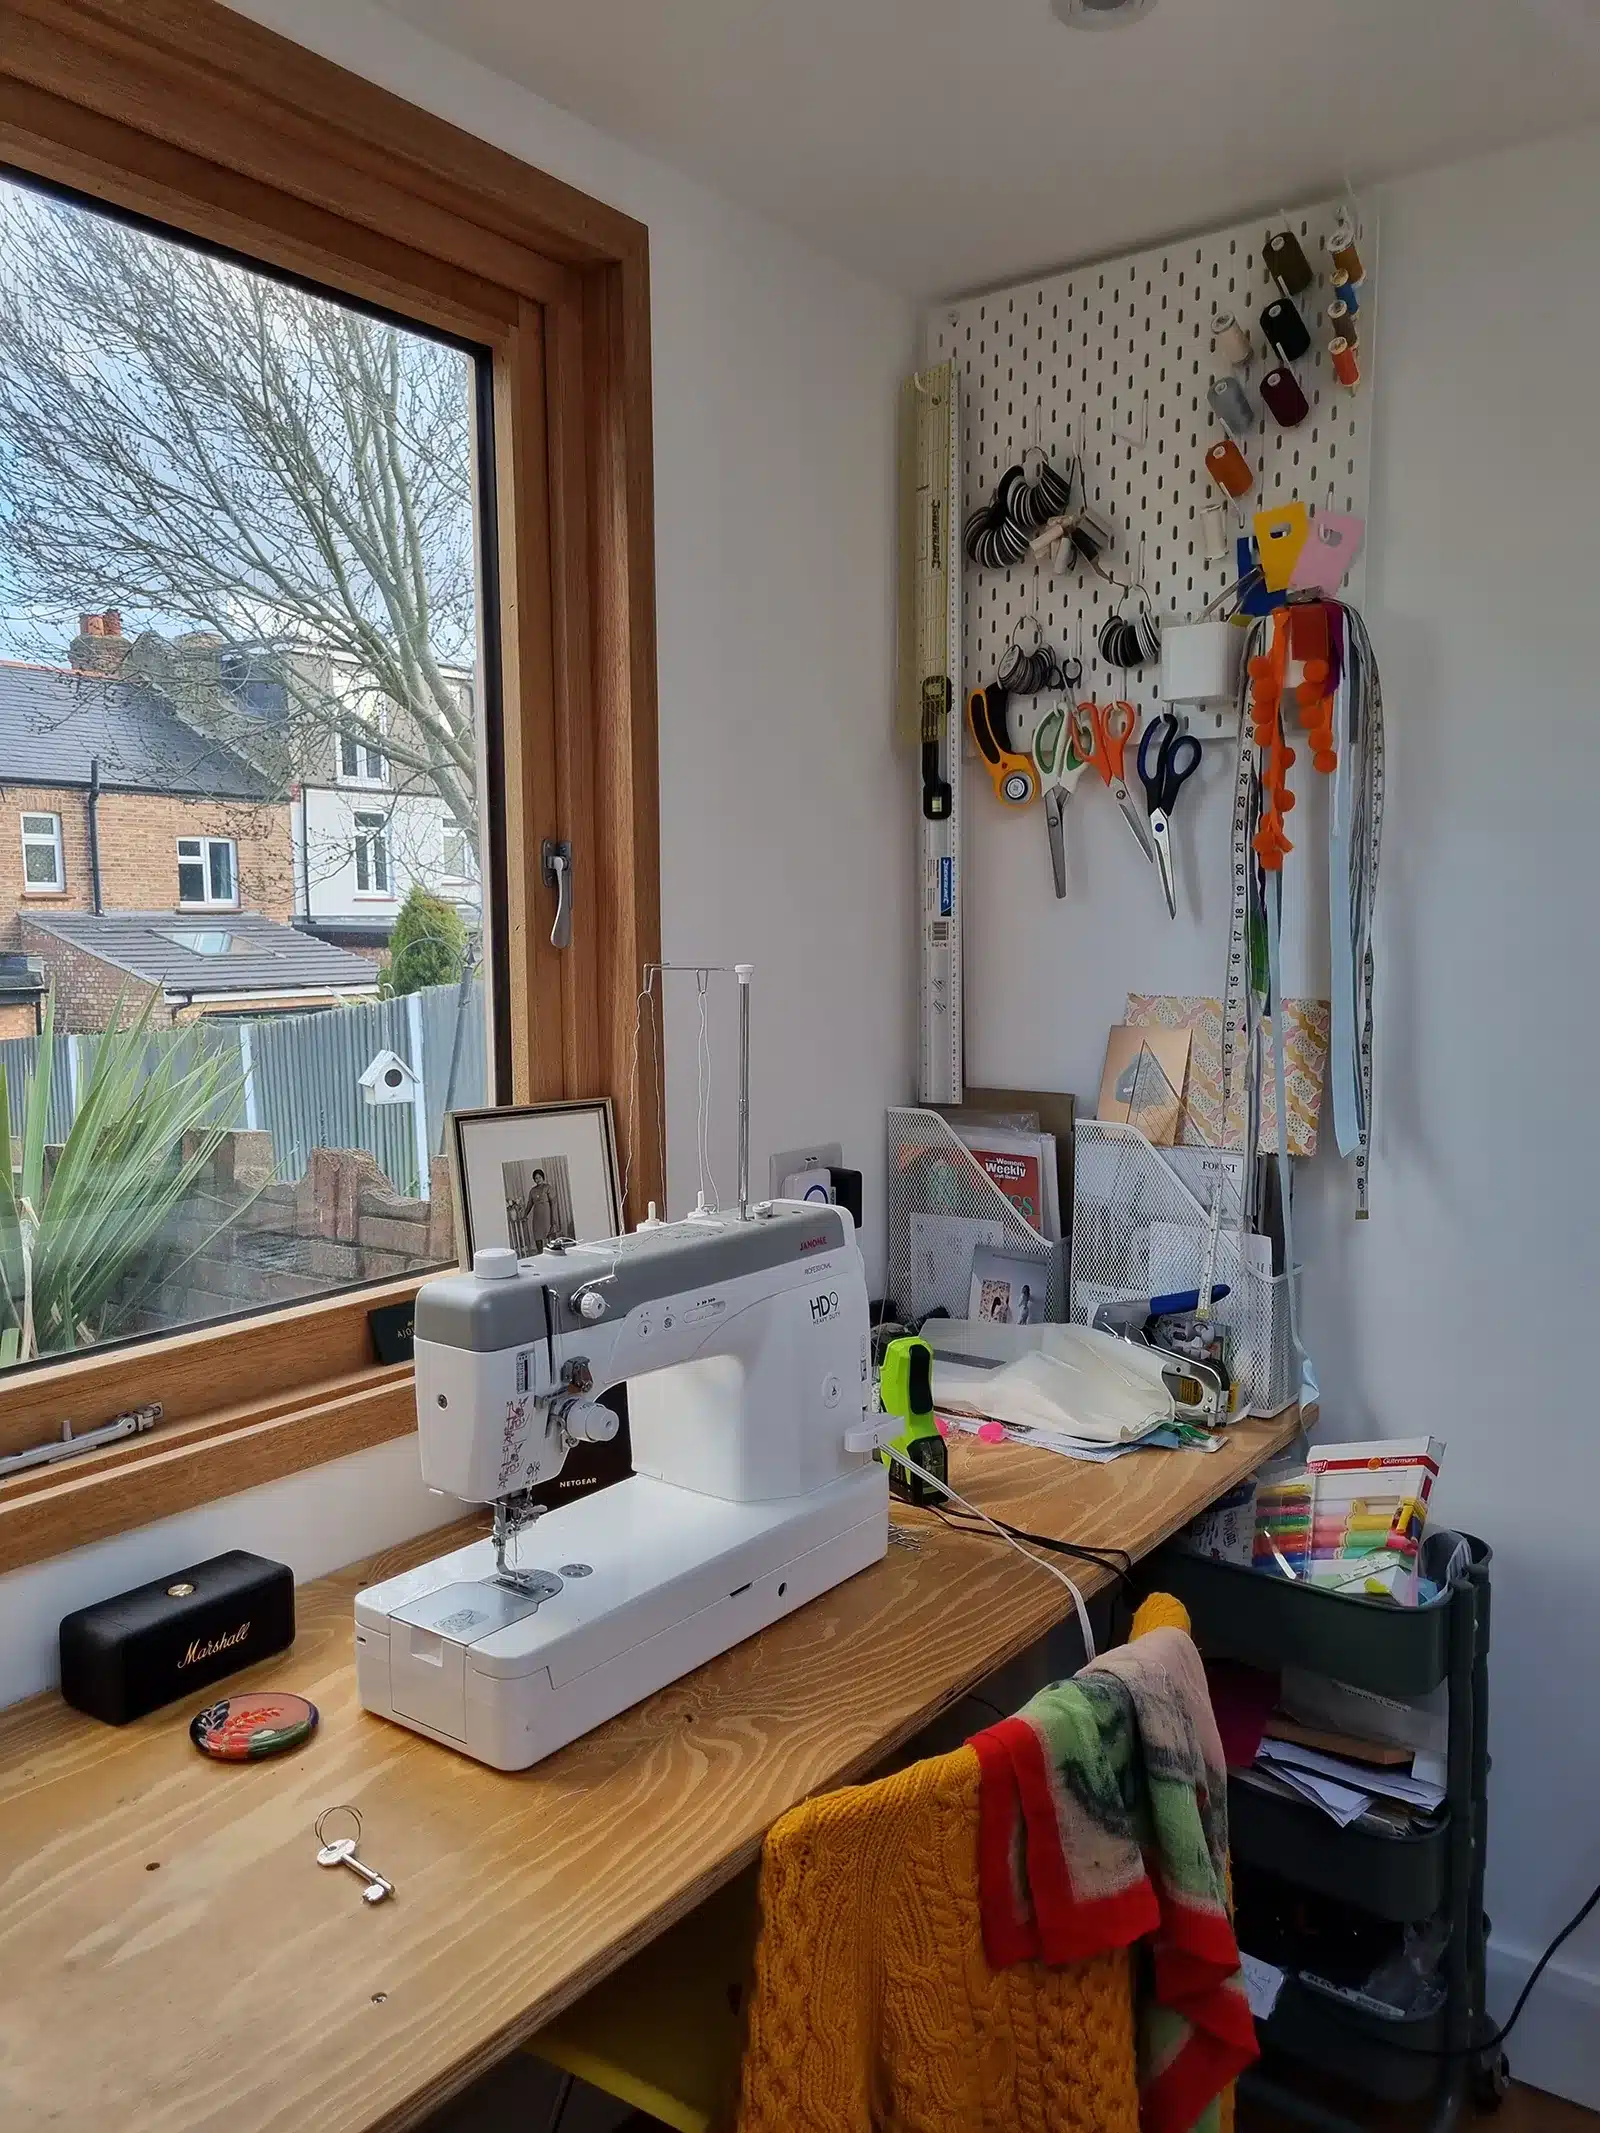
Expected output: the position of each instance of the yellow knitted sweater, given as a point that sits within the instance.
(874, 2009)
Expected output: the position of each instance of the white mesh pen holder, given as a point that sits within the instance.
(944, 1206)
(1137, 1231)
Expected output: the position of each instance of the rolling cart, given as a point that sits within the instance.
(1392, 1651)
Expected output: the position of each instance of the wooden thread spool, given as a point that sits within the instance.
(1346, 367)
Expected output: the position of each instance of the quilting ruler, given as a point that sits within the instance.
(932, 679)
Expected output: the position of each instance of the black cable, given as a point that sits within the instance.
(1101, 1558)
(1493, 2042)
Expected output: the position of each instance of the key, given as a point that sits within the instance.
(342, 1852)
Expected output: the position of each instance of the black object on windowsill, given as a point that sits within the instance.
(143, 1648)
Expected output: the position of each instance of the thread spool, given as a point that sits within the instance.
(1286, 329)
(1345, 366)
(1347, 261)
(1347, 292)
(1230, 403)
(1342, 248)
(1286, 262)
(1341, 321)
(1280, 389)
(1230, 340)
(1229, 468)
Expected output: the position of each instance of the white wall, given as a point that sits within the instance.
(1465, 1305)
(786, 840)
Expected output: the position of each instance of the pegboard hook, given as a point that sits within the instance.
(1137, 443)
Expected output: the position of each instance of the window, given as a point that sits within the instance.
(455, 857)
(203, 943)
(517, 314)
(363, 764)
(372, 856)
(43, 872)
(206, 871)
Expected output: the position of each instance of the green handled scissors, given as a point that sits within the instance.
(1056, 757)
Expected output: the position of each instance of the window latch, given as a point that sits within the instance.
(555, 863)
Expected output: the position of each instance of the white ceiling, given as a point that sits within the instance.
(946, 145)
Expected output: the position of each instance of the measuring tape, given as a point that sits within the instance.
(1367, 845)
(934, 443)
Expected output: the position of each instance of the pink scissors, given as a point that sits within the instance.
(1102, 733)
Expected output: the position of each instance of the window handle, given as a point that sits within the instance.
(555, 863)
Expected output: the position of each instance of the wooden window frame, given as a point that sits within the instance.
(187, 113)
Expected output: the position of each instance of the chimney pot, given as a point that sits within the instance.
(91, 625)
(112, 621)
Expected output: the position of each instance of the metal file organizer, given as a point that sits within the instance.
(1136, 1222)
(1393, 1651)
(942, 1204)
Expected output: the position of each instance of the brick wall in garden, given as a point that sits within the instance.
(244, 1239)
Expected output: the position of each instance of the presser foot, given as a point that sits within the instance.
(535, 1585)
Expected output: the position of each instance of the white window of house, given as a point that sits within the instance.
(455, 858)
(208, 872)
(361, 764)
(43, 869)
(372, 856)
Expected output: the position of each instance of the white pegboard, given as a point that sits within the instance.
(1081, 363)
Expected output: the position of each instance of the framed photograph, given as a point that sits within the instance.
(527, 1174)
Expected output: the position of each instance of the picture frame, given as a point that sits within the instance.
(524, 1175)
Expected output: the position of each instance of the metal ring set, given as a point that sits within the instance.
(1126, 642)
(998, 533)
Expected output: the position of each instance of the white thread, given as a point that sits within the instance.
(932, 1480)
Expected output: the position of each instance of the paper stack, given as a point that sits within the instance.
(1343, 1788)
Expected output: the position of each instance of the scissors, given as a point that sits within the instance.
(1163, 772)
(1060, 766)
(1101, 733)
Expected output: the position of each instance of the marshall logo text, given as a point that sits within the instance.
(212, 1645)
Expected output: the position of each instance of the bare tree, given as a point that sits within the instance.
(284, 476)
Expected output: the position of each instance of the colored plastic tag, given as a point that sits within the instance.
(1280, 535)
(1331, 548)
(1258, 600)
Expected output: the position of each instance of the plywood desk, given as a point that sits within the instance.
(171, 1956)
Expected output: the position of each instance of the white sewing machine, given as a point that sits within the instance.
(743, 1341)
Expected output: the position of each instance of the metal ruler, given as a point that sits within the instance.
(932, 678)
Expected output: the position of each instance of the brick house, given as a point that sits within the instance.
(365, 828)
(112, 805)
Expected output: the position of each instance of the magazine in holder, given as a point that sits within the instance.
(944, 1210)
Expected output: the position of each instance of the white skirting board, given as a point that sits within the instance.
(1556, 2045)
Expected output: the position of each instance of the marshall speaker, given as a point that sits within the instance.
(130, 1654)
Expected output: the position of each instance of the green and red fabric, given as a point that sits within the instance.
(1103, 1822)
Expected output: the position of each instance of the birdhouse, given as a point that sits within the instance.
(388, 1080)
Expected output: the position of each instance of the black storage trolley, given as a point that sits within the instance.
(1265, 1621)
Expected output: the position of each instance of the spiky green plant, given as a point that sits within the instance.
(69, 1243)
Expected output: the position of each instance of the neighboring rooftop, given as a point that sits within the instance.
(54, 721)
(210, 952)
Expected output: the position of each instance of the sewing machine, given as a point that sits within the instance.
(744, 1343)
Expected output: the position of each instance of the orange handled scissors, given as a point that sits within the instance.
(1102, 733)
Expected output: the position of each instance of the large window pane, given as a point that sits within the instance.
(238, 689)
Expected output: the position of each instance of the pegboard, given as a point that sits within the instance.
(1110, 364)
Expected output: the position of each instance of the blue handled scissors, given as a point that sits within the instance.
(1168, 758)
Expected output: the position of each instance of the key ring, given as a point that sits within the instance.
(329, 1844)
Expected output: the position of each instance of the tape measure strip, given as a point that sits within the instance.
(1363, 735)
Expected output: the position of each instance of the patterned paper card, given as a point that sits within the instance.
(1305, 1058)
